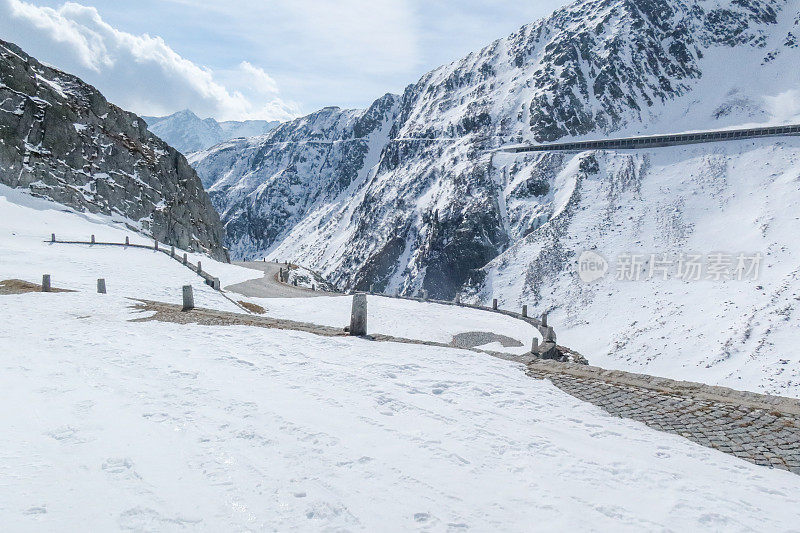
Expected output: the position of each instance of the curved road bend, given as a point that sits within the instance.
(268, 286)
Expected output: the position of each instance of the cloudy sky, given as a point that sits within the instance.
(267, 59)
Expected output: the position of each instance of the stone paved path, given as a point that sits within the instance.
(764, 430)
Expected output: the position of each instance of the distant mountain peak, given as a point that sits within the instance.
(187, 133)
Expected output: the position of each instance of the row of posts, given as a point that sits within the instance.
(47, 284)
(358, 313)
(214, 282)
(188, 295)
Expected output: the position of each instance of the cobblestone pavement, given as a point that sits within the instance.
(764, 430)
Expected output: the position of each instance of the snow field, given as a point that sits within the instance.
(113, 425)
(27, 222)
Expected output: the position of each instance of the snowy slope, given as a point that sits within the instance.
(447, 216)
(427, 213)
(188, 133)
(120, 425)
(738, 197)
(27, 222)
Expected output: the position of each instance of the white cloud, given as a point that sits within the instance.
(138, 72)
(262, 82)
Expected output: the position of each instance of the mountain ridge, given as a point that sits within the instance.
(188, 133)
(568, 68)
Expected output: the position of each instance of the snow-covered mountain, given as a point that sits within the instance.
(408, 194)
(60, 139)
(188, 133)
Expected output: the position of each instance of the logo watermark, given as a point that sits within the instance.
(715, 266)
(592, 266)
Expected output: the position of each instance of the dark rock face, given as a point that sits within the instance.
(62, 140)
(408, 195)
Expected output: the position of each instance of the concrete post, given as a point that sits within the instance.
(188, 298)
(424, 294)
(101, 286)
(457, 299)
(185, 259)
(358, 315)
(155, 246)
(372, 288)
(535, 345)
(52, 237)
(172, 251)
(199, 267)
(525, 311)
(544, 320)
(92, 239)
(46, 283)
(313, 287)
(127, 241)
(494, 304)
(280, 274)
(215, 284)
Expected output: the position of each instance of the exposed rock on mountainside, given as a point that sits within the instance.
(421, 201)
(62, 140)
(406, 195)
(188, 133)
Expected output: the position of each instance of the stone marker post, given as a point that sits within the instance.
(313, 287)
(525, 311)
(494, 304)
(424, 294)
(358, 316)
(46, 283)
(535, 345)
(127, 241)
(92, 239)
(172, 251)
(544, 320)
(101, 286)
(188, 298)
(199, 267)
(52, 237)
(155, 246)
(185, 259)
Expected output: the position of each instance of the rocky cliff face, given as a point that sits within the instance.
(407, 195)
(60, 139)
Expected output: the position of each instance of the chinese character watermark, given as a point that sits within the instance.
(715, 266)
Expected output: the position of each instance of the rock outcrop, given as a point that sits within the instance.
(61, 140)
